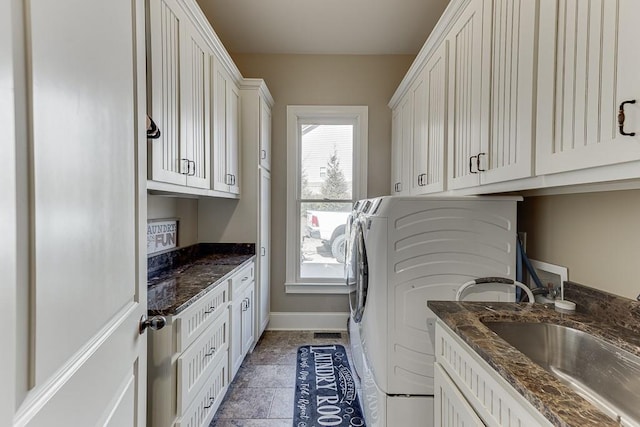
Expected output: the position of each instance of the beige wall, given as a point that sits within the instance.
(323, 80)
(595, 235)
(186, 210)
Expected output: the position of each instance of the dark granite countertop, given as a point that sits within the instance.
(555, 400)
(177, 279)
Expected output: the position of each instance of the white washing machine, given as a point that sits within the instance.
(406, 251)
(352, 262)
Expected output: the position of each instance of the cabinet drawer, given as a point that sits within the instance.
(197, 362)
(241, 279)
(207, 400)
(195, 319)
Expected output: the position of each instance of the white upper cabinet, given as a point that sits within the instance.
(226, 130)
(491, 92)
(197, 96)
(164, 74)
(179, 97)
(468, 113)
(588, 68)
(265, 135)
(508, 152)
(401, 146)
(430, 125)
(418, 143)
(396, 150)
(539, 94)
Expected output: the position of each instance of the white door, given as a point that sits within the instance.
(82, 361)
(12, 213)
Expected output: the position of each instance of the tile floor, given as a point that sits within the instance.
(261, 395)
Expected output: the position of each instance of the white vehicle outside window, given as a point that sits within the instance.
(326, 174)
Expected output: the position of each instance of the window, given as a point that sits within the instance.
(326, 174)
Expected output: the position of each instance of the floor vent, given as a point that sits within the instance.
(327, 335)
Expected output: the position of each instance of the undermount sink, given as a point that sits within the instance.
(605, 375)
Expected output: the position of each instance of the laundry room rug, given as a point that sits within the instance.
(325, 389)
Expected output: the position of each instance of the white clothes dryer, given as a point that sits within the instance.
(411, 250)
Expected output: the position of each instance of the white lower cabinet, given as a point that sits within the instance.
(470, 393)
(451, 408)
(242, 318)
(206, 403)
(193, 359)
(197, 363)
(188, 363)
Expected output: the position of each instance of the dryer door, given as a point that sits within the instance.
(358, 272)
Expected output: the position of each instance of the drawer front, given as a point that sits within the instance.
(241, 280)
(198, 361)
(207, 400)
(195, 319)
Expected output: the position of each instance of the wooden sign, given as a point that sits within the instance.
(162, 234)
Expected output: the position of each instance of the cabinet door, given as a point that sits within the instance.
(396, 150)
(429, 171)
(418, 145)
(265, 135)
(468, 94)
(401, 148)
(226, 131)
(248, 318)
(196, 102)
(235, 341)
(451, 409)
(233, 136)
(589, 66)
(166, 29)
(508, 152)
(263, 303)
(221, 179)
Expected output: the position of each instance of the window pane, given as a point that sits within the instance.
(326, 161)
(323, 239)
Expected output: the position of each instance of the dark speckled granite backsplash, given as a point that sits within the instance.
(156, 264)
(613, 309)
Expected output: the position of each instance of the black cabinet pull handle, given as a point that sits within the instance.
(211, 400)
(478, 162)
(621, 118)
(471, 164)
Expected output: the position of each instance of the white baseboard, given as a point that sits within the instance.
(293, 321)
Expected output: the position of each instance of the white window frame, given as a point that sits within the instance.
(325, 114)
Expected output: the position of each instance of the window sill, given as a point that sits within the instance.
(318, 288)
